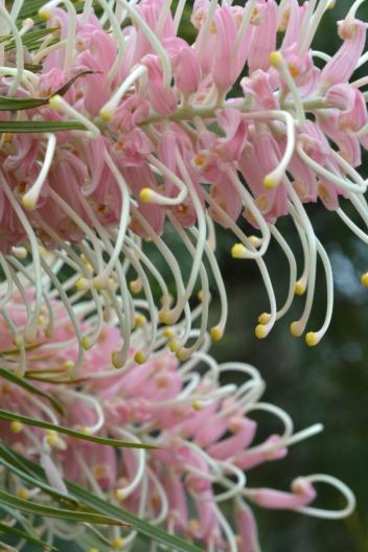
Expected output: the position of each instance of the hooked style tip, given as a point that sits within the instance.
(270, 181)
(264, 318)
(166, 317)
(216, 334)
(139, 321)
(261, 331)
(238, 251)
(312, 339)
(299, 288)
(106, 115)
(276, 59)
(173, 345)
(146, 195)
(295, 329)
(140, 357)
(135, 286)
(55, 102)
(29, 202)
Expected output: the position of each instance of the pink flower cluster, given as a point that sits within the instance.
(164, 141)
(245, 125)
(204, 432)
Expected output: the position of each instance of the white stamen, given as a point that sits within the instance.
(107, 111)
(341, 487)
(30, 199)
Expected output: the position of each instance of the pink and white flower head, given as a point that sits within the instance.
(204, 433)
(159, 138)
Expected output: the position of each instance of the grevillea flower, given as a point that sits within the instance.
(203, 430)
(158, 138)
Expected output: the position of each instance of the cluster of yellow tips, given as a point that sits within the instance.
(270, 181)
(311, 338)
(262, 330)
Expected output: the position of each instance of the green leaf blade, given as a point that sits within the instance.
(116, 443)
(34, 127)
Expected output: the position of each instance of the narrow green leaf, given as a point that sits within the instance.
(59, 513)
(13, 531)
(22, 382)
(16, 104)
(39, 126)
(100, 505)
(117, 443)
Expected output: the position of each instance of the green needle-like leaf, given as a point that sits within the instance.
(117, 443)
(79, 516)
(22, 382)
(33, 127)
(16, 104)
